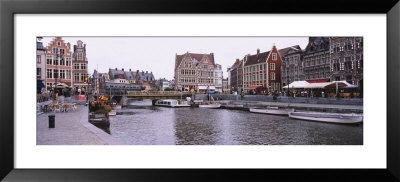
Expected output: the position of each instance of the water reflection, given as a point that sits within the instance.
(148, 125)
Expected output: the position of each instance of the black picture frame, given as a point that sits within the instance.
(9, 8)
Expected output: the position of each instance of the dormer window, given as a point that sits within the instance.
(59, 43)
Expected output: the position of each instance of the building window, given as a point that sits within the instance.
(62, 51)
(272, 75)
(68, 62)
(336, 65)
(68, 74)
(62, 61)
(55, 50)
(82, 77)
(347, 45)
(76, 66)
(38, 59)
(55, 73)
(83, 66)
(260, 67)
(62, 74)
(347, 63)
(55, 61)
(80, 56)
(336, 48)
(49, 60)
(49, 73)
(39, 71)
(274, 56)
(265, 66)
(188, 64)
(272, 66)
(76, 77)
(265, 76)
(59, 43)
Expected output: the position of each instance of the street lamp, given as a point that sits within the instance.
(287, 76)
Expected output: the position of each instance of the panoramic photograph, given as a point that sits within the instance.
(199, 90)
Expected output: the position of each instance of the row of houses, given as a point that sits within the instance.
(119, 81)
(57, 64)
(324, 59)
(197, 72)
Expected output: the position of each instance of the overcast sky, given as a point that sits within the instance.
(157, 54)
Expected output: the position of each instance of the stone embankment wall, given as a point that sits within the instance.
(306, 100)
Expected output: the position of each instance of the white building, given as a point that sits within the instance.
(218, 74)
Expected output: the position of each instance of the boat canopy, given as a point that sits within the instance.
(305, 85)
(202, 87)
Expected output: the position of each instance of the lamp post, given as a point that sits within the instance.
(287, 76)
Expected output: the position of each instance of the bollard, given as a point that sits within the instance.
(52, 121)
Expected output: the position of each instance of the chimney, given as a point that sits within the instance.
(130, 69)
(137, 71)
(116, 69)
(258, 51)
(122, 69)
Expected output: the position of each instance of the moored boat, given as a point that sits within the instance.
(210, 106)
(171, 103)
(271, 110)
(343, 118)
(112, 113)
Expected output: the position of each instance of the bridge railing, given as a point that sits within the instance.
(155, 93)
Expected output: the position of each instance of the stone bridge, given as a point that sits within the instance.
(152, 95)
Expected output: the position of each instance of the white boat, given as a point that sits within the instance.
(344, 118)
(171, 103)
(210, 106)
(112, 113)
(271, 110)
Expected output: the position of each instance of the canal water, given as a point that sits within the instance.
(143, 124)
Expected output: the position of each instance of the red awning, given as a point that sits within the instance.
(255, 87)
(318, 80)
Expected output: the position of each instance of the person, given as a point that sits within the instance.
(274, 96)
(323, 94)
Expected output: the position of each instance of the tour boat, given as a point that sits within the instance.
(343, 118)
(271, 110)
(171, 103)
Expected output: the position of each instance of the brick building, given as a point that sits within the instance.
(236, 76)
(316, 59)
(263, 69)
(346, 59)
(292, 69)
(80, 66)
(58, 63)
(194, 70)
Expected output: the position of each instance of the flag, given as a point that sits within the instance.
(86, 79)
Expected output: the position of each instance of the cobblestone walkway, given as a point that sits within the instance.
(68, 130)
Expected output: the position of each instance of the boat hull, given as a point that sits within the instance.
(283, 112)
(327, 117)
(210, 106)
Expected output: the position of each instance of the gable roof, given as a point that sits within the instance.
(284, 51)
(317, 44)
(256, 58)
(196, 58)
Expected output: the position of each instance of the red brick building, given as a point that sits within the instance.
(263, 69)
(58, 63)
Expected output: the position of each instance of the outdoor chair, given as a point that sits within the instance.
(66, 107)
(74, 106)
(57, 108)
(49, 107)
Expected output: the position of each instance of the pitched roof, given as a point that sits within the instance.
(317, 44)
(196, 58)
(39, 46)
(256, 58)
(284, 51)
